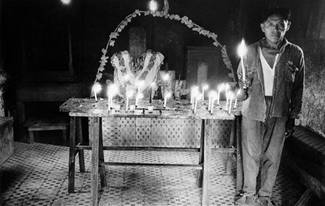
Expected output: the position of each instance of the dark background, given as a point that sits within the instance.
(49, 49)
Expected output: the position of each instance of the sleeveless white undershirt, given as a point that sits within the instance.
(268, 73)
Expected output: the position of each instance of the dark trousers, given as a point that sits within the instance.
(262, 144)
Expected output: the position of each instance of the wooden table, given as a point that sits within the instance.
(95, 111)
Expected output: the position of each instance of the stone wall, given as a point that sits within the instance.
(313, 110)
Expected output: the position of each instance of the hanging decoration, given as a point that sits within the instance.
(175, 17)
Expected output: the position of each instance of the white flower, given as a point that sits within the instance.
(101, 68)
(177, 17)
(99, 76)
(111, 43)
(104, 51)
(113, 35)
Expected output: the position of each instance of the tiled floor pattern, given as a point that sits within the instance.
(37, 175)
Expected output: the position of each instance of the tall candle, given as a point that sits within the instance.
(212, 97)
(137, 98)
(166, 97)
(96, 89)
(204, 88)
(242, 50)
(236, 98)
(231, 97)
(195, 104)
(227, 100)
(165, 77)
(230, 104)
(220, 88)
(209, 102)
(112, 90)
(129, 94)
(194, 95)
(153, 86)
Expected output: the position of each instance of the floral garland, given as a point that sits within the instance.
(184, 20)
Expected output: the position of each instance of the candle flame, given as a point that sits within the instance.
(205, 86)
(112, 90)
(97, 87)
(165, 77)
(213, 94)
(139, 95)
(221, 87)
(195, 91)
(242, 49)
(227, 87)
(153, 6)
(168, 95)
(129, 93)
(230, 95)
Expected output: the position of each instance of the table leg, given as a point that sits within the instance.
(101, 158)
(239, 163)
(201, 157)
(94, 135)
(72, 152)
(231, 143)
(206, 153)
(81, 151)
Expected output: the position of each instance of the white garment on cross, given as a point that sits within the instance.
(268, 73)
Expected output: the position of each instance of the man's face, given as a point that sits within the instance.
(275, 28)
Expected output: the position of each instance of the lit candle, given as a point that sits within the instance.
(167, 96)
(227, 100)
(194, 93)
(236, 98)
(165, 77)
(112, 90)
(195, 105)
(96, 89)
(212, 98)
(231, 97)
(137, 98)
(153, 87)
(204, 88)
(196, 98)
(221, 87)
(242, 50)
(129, 94)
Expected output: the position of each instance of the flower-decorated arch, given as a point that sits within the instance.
(175, 17)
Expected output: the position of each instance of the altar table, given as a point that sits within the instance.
(95, 111)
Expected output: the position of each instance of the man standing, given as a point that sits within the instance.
(273, 89)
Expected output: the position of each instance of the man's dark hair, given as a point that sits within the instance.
(284, 13)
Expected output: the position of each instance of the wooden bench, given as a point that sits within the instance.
(38, 125)
(304, 153)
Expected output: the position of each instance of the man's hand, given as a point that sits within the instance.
(289, 127)
(293, 68)
(242, 94)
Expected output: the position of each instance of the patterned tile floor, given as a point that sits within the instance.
(37, 175)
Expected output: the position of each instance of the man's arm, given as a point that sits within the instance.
(298, 87)
(296, 97)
